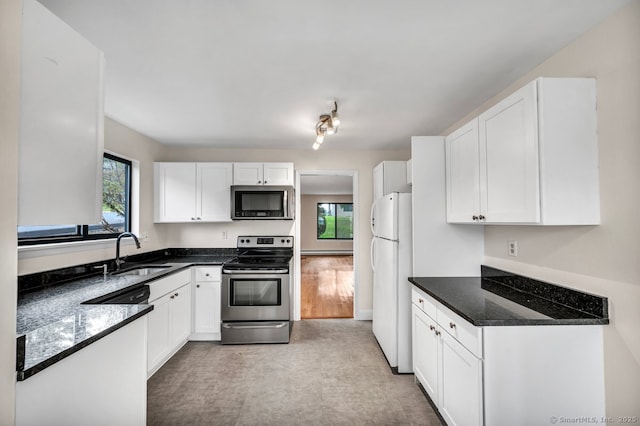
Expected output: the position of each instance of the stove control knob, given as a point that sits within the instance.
(282, 241)
(288, 241)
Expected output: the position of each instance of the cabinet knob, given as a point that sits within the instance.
(474, 217)
(172, 296)
(176, 295)
(481, 217)
(193, 218)
(259, 181)
(431, 328)
(420, 300)
(437, 333)
(206, 275)
(198, 218)
(265, 182)
(197, 285)
(452, 325)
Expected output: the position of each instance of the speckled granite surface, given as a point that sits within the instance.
(500, 298)
(54, 319)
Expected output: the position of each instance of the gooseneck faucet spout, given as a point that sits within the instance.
(121, 236)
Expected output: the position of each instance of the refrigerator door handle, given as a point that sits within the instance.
(371, 254)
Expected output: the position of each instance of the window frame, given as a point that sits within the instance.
(82, 231)
(335, 231)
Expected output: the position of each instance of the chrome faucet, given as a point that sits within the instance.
(121, 236)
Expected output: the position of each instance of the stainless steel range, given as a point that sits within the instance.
(256, 291)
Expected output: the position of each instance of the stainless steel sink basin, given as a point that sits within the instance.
(143, 270)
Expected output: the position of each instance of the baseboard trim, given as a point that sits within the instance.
(326, 252)
(364, 315)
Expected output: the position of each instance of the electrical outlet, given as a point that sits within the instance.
(224, 235)
(512, 248)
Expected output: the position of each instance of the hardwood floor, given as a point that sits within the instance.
(327, 287)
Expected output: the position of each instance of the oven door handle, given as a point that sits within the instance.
(265, 325)
(254, 271)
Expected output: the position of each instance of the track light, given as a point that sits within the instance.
(327, 125)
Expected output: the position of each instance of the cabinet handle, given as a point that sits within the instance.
(452, 325)
(474, 217)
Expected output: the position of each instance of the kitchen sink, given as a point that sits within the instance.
(143, 270)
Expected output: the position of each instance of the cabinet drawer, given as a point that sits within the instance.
(462, 330)
(424, 302)
(165, 285)
(211, 273)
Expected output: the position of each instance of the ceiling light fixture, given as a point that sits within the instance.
(327, 125)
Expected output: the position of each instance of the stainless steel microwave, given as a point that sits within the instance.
(262, 202)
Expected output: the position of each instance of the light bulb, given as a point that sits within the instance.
(319, 138)
(335, 120)
(316, 145)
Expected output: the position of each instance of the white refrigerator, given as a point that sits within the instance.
(391, 261)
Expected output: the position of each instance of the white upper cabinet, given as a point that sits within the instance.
(280, 174)
(61, 123)
(463, 173)
(530, 159)
(192, 192)
(390, 176)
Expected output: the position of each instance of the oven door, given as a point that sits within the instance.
(255, 297)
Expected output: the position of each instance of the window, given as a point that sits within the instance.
(335, 221)
(116, 210)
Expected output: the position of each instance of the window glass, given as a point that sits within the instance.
(335, 221)
(116, 210)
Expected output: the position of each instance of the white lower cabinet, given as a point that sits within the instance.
(505, 375)
(104, 383)
(206, 303)
(449, 373)
(170, 320)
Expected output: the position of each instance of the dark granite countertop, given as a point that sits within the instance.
(499, 298)
(55, 317)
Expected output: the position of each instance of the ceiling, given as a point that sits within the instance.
(257, 74)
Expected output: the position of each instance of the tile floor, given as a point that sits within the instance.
(331, 373)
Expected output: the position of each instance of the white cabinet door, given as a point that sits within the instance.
(180, 314)
(280, 174)
(192, 192)
(61, 123)
(460, 385)
(213, 200)
(463, 174)
(248, 173)
(207, 307)
(425, 352)
(390, 176)
(175, 195)
(158, 334)
(509, 182)
(277, 174)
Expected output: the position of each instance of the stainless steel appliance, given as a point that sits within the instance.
(256, 303)
(262, 202)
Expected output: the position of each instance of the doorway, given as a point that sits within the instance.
(326, 284)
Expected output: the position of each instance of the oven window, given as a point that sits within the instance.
(255, 292)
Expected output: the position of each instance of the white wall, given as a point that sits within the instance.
(601, 259)
(10, 28)
(308, 224)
